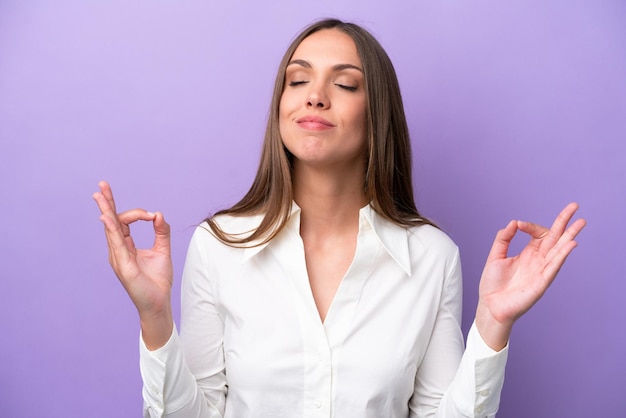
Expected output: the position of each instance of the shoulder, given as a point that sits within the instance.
(236, 225)
(410, 245)
(427, 240)
(430, 237)
(204, 236)
(434, 254)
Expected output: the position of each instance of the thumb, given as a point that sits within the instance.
(162, 233)
(500, 245)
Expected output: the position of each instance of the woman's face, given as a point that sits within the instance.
(322, 110)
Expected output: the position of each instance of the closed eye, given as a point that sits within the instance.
(349, 88)
(297, 83)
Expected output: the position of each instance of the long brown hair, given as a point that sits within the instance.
(388, 185)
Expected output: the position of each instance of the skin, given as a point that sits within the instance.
(324, 79)
(146, 274)
(328, 186)
(511, 285)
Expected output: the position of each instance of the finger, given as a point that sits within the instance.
(106, 191)
(102, 202)
(502, 241)
(104, 205)
(119, 252)
(558, 227)
(558, 259)
(134, 215)
(162, 233)
(571, 233)
(129, 217)
(117, 235)
(121, 244)
(537, 232)
(108, 218)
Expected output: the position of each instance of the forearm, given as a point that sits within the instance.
(171, 390)
(475, 389)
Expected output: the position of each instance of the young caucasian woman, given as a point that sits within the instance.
(324, 292)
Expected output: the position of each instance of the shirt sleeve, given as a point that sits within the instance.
(185, 377)
(452, 382)
(476, 388)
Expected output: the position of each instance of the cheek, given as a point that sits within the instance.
(284, 107)
(287, 101)
(360, 116)
(360, 124)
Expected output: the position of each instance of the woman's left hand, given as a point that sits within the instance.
(510, 286)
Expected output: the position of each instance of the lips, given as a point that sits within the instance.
(314, 123)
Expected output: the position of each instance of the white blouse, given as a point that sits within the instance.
(252, 343)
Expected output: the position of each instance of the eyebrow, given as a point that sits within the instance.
(337, 67)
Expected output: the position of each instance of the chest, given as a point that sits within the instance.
(369, 346)
(326, 265)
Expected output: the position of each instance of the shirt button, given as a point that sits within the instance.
(485, 392)
(317, 404)
(479, 409)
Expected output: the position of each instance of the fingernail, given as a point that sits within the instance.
(151, 213)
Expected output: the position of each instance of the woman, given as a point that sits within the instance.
(324, 292)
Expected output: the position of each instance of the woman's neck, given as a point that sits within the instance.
(329, 201)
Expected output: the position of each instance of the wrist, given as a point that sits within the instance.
(156, 328)
(495, 333)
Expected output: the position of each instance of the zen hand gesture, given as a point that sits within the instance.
(146, 274)
(511, 285)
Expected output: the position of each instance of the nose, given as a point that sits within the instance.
(317, 98)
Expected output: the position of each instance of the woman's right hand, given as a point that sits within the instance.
(146, 274)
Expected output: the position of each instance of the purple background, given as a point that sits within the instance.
(515, 109)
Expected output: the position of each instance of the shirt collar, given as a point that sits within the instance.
(294, 219)
(393, 238)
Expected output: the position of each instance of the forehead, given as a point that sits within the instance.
(328, 45)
